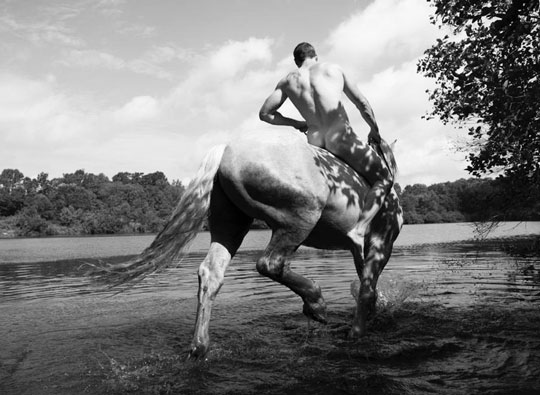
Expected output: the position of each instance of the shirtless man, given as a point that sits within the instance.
(316, 89)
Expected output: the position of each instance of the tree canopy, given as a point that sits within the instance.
(488, 80)
(85, 203)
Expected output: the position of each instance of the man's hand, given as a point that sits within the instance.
(301, 126)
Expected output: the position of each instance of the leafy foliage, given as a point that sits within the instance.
(488, 78)
(464, 201)
(84, 203)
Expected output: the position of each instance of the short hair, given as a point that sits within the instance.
(302, 52)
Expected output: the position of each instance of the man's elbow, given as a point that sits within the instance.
(264, 116)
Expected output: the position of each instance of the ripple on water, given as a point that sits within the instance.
(451, 319)
(459, 273)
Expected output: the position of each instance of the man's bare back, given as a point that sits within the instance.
(316, 90)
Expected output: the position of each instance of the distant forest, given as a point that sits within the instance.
(83, 203)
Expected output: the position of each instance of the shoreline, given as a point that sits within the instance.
(514, 239)
(10, 234)
(66, 248)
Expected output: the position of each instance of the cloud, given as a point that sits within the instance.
(45, 129)
(153, 61)
(219, 98)
(160, 54)
(218, 94)
(62, 131)
(93, 59)
(135, 29)
(379, 47)
(423, 152)
(110, 3)
(110, 8)
(225, 84)
(40, 32)
(235, 56)
(214, 95)
(137, 109)
(114, 11)
(36, 112)
(149, 63)
(386, 33)
(142, 66)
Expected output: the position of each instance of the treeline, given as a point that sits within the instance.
(468, 200)
(84, 203)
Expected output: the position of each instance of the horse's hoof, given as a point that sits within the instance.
(356, 332)
(198, 353)
(316, 311)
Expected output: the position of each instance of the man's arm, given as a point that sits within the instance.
(360, 101)
(269, 111)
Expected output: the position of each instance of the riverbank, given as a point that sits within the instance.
(9, 229)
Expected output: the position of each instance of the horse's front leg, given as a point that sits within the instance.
(211, 275)
(368, 269)
(363, 294)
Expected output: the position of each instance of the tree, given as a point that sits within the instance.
(76, 178)
(11, 203)
(43, 182)
(12, 192)
(488, 78)
(30, 223)
(74, 195)
(10, 178)
(154, 179)
(94, 183)
(127, 178)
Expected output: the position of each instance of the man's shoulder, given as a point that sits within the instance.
(288, 78)
(331, 68)
(292, 74)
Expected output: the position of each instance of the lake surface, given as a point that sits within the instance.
(49, 249)
(457, 313)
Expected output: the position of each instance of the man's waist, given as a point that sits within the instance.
(330, 129)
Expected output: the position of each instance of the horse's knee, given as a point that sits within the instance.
(271, 266)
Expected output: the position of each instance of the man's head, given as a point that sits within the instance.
(302, 52)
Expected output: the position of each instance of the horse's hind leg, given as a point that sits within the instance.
(211, 274)
(275, 264)
(228, 226)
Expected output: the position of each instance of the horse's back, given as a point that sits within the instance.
(271, 176)
(280, 178)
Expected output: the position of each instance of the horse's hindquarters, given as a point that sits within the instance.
(274, 178)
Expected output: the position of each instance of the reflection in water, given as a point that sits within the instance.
(486, 272)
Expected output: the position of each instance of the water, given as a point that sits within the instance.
(454, 317)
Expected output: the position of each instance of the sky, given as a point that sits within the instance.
(142, 86)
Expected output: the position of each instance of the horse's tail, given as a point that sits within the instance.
(385, 150)
(186, 221)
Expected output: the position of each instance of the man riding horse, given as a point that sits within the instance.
(312, 199)
(316, 89)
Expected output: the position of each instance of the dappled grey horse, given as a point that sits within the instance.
(305, 195)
